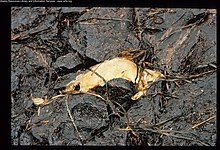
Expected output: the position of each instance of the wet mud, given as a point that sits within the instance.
(50, 46)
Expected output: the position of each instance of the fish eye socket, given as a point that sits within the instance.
(77, 87)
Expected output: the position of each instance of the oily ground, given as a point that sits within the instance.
(50, 46)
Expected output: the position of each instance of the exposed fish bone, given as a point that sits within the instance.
(117, 67)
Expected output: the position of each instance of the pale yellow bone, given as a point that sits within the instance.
(112, 69)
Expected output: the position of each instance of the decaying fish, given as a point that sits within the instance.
(118, 67)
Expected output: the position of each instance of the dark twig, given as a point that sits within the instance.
(107, 93)
(183, 77)
(165, 132)
(99, 18)
(73, 122)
